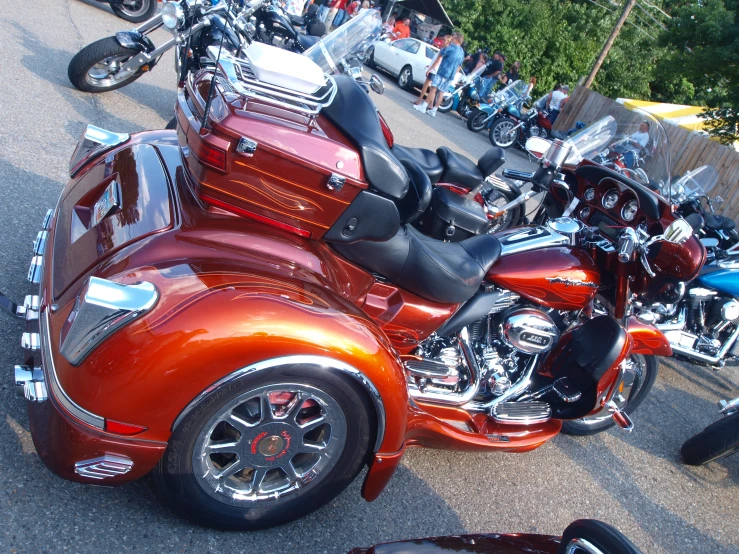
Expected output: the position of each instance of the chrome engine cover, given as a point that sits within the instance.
(529, 331)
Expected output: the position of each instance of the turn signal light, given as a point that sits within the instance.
(211, 156)
(123, 428)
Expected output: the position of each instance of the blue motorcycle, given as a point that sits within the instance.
(507, 103)
(463, 96)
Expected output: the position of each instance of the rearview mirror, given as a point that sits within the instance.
(376, 84)
(678, 232)
(537, 146)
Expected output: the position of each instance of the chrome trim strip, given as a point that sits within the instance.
(35, 270)
(582, 545)
(107, 465)
(101, 309)
(360, 377)
(40, 243)
(531, 238)
(47, 219)
(47, 361)
(93, 141)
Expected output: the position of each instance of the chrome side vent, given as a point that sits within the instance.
(505, 300)
(107, 465)
(40, 243)
(427, 368)
(34, 272)
(521, 413)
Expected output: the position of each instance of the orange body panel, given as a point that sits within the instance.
(562, 278)
(647, 339)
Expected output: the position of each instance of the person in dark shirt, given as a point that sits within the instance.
(471, 61)
(492, 73)
(512, 73)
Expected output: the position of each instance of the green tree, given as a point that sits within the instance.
(704, 39)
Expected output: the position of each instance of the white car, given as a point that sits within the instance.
(407, 58)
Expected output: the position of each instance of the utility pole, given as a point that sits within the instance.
(607, 46)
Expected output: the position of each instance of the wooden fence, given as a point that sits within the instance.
(688, 150)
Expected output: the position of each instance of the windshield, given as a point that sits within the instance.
(351, 39)
(512, 93)
(697, 182)
(635, 145)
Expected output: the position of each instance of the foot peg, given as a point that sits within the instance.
(621, 418)
(27, 310)
(521, 413)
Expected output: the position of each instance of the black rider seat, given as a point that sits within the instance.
(447, 272)
(719, 222)
(306, 41)
(458, 169)
(296, 20)
(428, 161)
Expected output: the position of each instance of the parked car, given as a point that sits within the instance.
(408, 59)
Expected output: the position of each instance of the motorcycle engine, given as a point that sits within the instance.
(502, 343)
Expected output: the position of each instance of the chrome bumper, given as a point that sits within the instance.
(30, 381)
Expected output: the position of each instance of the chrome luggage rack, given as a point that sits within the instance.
(243, 82)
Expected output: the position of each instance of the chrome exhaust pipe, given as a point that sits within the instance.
(453, 398)
(705, 358)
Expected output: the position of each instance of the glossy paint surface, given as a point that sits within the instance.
(562, 278)
(725, 281)
(287, 176)
(647, 339)
(146, 208)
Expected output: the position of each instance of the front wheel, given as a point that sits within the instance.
(405, 78)
(502, 133)
(446, 104)
(639, 377)
(598, 534)
(476, 120)
(718, 440)
(95, 68)
(135, 11)
(267, 448)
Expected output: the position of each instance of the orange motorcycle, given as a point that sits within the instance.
(244, 308)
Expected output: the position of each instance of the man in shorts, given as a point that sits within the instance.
(445, 67)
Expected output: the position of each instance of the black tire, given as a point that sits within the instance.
(142, 11)
(172, 123)
(446, 104)
(371, 58)
(718, 440)
(511, 218)
(175, 480)
(476, 120)
(580, 427)
(498, 128)
(605, 538)
(96, 53)
(405, 78)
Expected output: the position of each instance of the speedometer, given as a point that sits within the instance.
(628, 212)
(590, 194)
(610, 199)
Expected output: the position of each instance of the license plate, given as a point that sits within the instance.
(108, 202)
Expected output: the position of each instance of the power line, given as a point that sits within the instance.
(642, 8)
(667, 15)
(629, 22)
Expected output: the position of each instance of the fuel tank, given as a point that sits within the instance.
(724, 280)
(561, 277)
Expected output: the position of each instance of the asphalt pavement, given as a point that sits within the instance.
(633, 481)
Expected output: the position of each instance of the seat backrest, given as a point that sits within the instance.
(353, 112)
(418, 197)
(491, 161)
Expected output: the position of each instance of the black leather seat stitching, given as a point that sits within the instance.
(353, 112)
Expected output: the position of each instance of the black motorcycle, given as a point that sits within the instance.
(114, 62)
(277, 27)
(134, 11)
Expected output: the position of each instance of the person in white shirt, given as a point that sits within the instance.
(641, 137)
(556, 101)
(633, 145)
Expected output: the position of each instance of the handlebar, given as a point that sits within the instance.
(626, 246)
(525, 176)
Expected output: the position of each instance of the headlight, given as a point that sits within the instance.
(172, 15)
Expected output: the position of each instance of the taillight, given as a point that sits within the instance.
(211, 156)
(123, 428)
(387, 133)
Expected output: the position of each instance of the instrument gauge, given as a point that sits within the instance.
(590, 194)
(610, 199)
(628, 212)
(584, 213)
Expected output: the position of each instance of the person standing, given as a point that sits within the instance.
(446, 66)
(335, 6)
(512, 73)
(322, 9)
(491, 74)
(556, 101)
(402, 28)
(447, 40)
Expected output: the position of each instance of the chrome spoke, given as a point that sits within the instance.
(229, 470)
(240, 425)
(294, 410)
(220, 447)
(265, 408)
(312, 448)
(257, 478)
(290, 471)
(313, 424)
